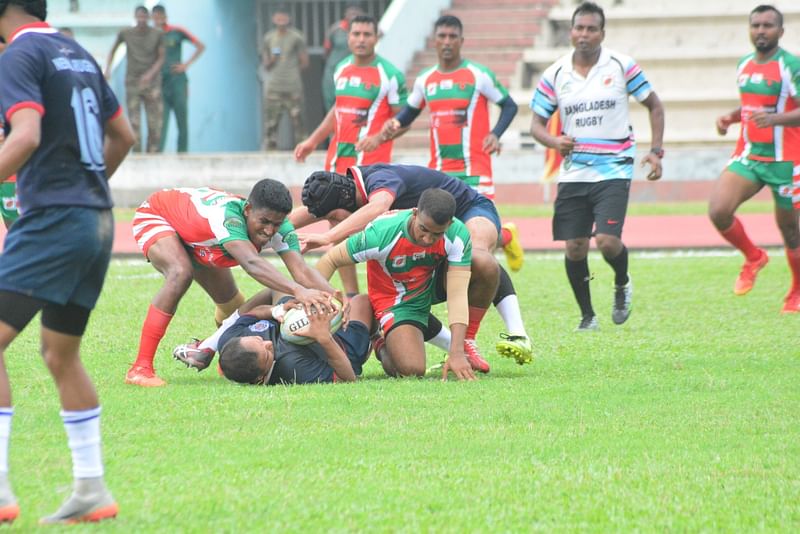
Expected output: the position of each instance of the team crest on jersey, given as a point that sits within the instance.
(446, 84)
(260, 326)
(341, 83)
(234, 222)
(399, 261)
(608, 80)
(10, 203)
(785, 191)
(757, 77)
(431, 89)
(355, 81)
(418, 255)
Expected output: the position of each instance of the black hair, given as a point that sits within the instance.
(141, 8)
(763, 8)
(239, 364)
(590, 8)
(364, 19)
(450, 21)
(437, 204)
(159, 9)
(325, 191)
(270, 194)
(36, 8)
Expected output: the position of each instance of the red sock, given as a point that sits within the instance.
(793, 257)
(736, 236)
(505, 236)
(475, 318)
(153, 330)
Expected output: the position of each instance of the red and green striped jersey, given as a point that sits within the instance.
(365, 97)
(458, 102)
(398, 269)
(773, 86)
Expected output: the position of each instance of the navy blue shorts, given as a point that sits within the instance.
(58, 254)
(482, 207)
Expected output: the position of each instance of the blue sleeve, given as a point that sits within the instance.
(23, 89)
(386, 180)
(407, 115)
(508, 109)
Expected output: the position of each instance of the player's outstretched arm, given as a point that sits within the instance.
(458, 317)
(263, 272)
(318, 328)
(118, 142)
(378, 203)
(333, 259)
(304, 274)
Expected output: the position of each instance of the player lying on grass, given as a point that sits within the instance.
(409, 255)
(367, 191)
(199, 234)
(253, 351)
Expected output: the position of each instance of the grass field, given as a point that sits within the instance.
(686, 418)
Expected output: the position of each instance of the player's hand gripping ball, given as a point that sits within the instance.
(296, 320)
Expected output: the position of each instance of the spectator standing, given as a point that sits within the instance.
(284, 56)
(174, 82)
(142, 77)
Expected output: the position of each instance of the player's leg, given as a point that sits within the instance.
(221, 287)
(405, 351)
(273, 111)
(737, 184)
(483, 224)
(154, 109)
(168, 256)
(512, 246)
(62, 330)
(610, 202)
(16, 311)
(133, 104)
(780, 179)
(572, 223)
(180, 102)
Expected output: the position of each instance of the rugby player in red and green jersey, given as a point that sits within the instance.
(369, 91)
(199, 234)
(767, 153)
(406, 252)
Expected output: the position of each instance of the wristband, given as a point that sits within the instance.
(658, 151)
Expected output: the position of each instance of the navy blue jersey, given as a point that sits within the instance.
(45, 71)
(300, 364)
(407, 182)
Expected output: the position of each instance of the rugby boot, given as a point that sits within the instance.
(192, 356)
(139, 375)
(621, 309)
(515, 256)
(747, 276)
(588, 324)
(791, 304)
(474, 357)
(90, 502)
(517, 347)
(9, 509)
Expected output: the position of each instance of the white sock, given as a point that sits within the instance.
(83, 436)
(5, 432)
(442, 339)
(508, 308)
(212, 342)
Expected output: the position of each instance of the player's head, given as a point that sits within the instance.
(363, 36)
(324, 192)
(281, 18)
(432, 216)
(34, 8)
(588, 27)
(267, 206)
(159, 13)
(448, 37)
(142, 16)
(247, 360)
(352, 11)
(766, 28)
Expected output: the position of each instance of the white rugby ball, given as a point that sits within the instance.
(296, 319)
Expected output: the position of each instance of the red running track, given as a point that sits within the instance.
(641, 232)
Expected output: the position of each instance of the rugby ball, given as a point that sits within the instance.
(296, 319)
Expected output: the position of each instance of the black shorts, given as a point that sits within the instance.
(583, 209)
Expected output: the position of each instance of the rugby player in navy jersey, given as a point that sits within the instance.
(367, 191)
(66, 135)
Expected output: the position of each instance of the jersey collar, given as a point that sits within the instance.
(358, 178)
(34, 27)
(605, 57)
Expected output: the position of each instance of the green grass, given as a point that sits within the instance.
(686, 418)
